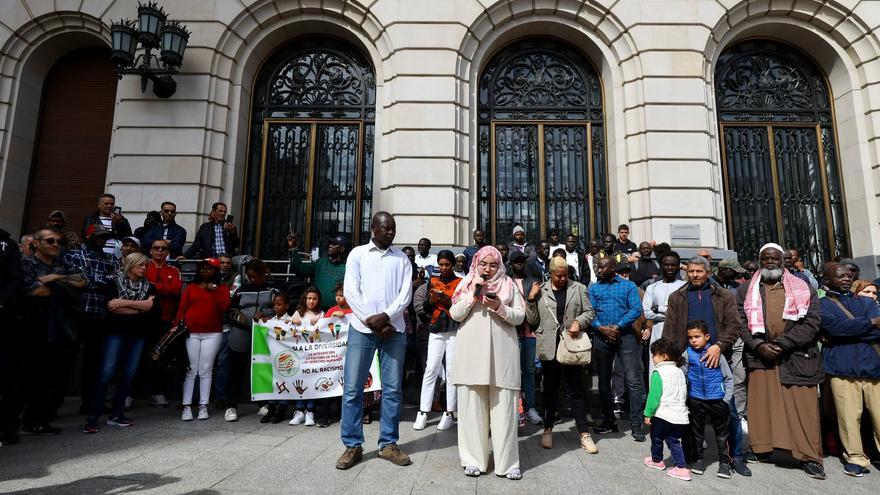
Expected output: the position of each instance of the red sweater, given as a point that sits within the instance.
(203, 310)
(167, 282)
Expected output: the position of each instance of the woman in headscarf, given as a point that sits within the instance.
(864, 288)
(487, 370)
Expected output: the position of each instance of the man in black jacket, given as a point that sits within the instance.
(107, 216)
(214, 237)
(10, 357)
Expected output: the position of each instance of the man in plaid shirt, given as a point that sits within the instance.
(100, 270)
(617, 305)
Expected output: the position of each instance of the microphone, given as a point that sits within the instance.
(479, 288)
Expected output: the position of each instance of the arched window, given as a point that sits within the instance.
(779, 154)
(311, 148)
(542, 143)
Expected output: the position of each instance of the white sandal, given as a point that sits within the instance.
(472, 471)
(514, 474)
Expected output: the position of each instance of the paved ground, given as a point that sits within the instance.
(163, 455)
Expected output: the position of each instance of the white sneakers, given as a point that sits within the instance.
(187, 414)
(129, 401)
(203, 412)
(307, 418)
(533, 417)
(446, 422)
(159, 400)
(298, 418)
(231, 414)
(421, 421)
(263, 411)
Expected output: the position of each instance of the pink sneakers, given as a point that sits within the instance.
(654, 465)
(680, 473)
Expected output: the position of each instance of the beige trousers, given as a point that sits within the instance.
(481, 408)
(851, 397)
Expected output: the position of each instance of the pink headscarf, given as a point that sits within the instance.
(500, 284)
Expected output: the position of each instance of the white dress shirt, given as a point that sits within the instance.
(429, 263)
(377, 281)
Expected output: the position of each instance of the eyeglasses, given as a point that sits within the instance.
(488, 265)
(51, 241)
(160, 248)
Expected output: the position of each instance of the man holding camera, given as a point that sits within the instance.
(109, 216)
(215, 237)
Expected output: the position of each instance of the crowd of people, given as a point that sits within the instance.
(768, 354)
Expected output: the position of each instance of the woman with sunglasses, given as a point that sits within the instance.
(166, 279)
(486, 366)
(202, 307)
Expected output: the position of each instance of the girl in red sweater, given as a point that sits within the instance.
(202, 307)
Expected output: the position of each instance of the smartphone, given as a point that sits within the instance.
(230, 218)
(492, 295)
(117, 210)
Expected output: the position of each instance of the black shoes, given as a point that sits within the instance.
(740, 468)
(698, 466)
(45, 430)
(724, 471)
(854, 470)
(607, 427)
(637, 433)
(813, 469)
(8, 438)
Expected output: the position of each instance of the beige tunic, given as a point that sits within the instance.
(487, 347)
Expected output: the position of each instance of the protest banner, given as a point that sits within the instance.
(304, 361)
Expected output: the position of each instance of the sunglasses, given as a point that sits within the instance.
(160, 248)
(169, 211)
(51, 241)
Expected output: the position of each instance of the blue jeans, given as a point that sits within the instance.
(119, 349)
(304, 405)
(662, 430)
(735, 440)
(527, 363)
(221, 370)
(629, 351)
(358, 357)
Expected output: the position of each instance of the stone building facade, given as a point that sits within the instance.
(666, 164)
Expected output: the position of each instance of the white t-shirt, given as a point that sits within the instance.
(112, 245)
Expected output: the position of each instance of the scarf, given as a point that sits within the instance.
(797, 301)
(129, 290)
(500, 283)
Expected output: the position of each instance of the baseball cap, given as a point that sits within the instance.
(212, 261)
(57, 213)
(733, 264)
(132, 239)
(96, 229)
(340, 240)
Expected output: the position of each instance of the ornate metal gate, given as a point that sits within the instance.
(541, 149)
(311, 160)
(779, 156)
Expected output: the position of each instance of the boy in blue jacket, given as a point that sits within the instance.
(709, 393)
(851, 327)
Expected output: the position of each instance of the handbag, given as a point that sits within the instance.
(571, 350)
(160, 351)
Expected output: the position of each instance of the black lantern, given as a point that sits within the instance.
(124, 39)
(151, 20)
(174, 39)
(154, 31)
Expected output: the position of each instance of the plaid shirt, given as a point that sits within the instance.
(99, 268)
(219, 241)
(33, 268)
(616, 303)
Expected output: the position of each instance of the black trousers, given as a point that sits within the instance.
(12, 370)
(555, 375)
(45, 379)
(238, 370)
(91, 332)
(715, 413)
(152, 378)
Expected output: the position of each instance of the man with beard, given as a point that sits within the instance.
(470, 251)
(852, 327)
(780, 316)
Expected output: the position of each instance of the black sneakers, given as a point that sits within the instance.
(637, 433)
(607, 427)
(45, 430)
(698, 466)
(724, 471)
(814, 470)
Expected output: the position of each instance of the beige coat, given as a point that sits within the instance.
(541, 314)
(487, 347)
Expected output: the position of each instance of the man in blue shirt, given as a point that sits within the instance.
(617, 305)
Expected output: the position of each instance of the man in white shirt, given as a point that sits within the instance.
(594, 248)
(426, 261)
(377, 288)
(657, 295)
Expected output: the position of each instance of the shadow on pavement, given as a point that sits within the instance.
(110, 484)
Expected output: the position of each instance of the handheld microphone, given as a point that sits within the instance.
(479, 288)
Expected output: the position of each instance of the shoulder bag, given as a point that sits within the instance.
(570, 350)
